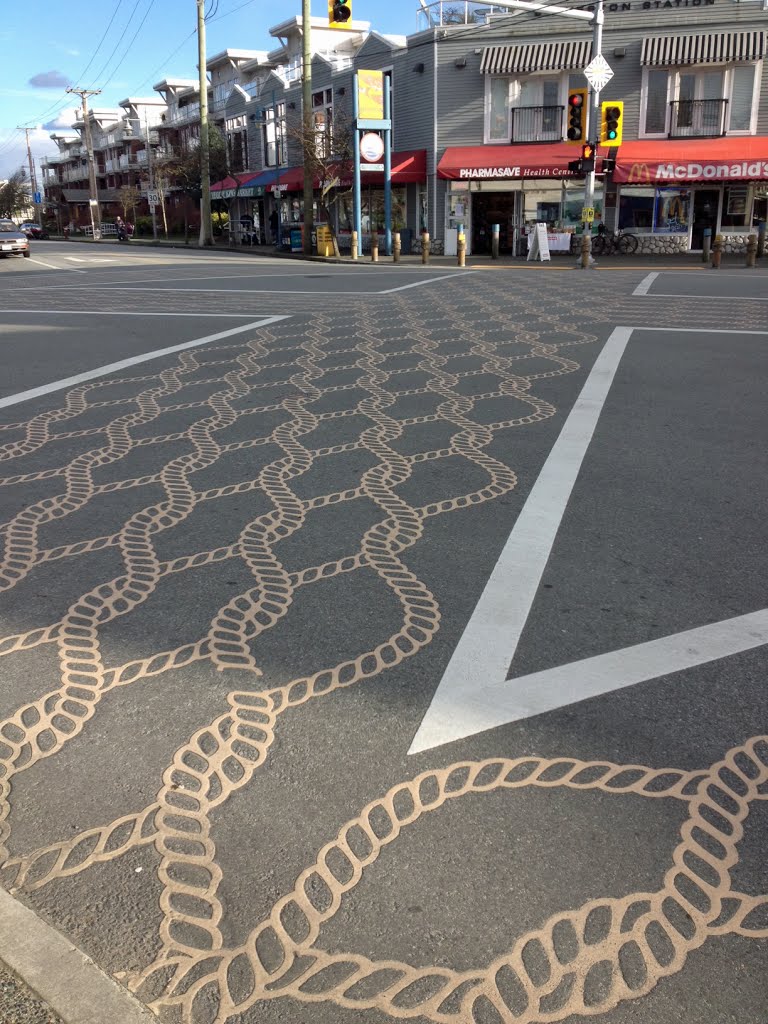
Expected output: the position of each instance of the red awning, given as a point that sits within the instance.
(232, 181)
(664, 162)
(408, 167)
(498, 163)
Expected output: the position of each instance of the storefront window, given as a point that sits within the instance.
(735, 207)
(636, 209)
(373, 209)
(671, 210)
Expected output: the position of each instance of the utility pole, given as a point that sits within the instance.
(206, 238)
(307, 134)
(93, 189)
(32, 175)
(593, 121)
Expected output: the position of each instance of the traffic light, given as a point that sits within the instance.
(340, 13)
(576, 130)
(611, 121)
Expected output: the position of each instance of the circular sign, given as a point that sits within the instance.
(371, 147)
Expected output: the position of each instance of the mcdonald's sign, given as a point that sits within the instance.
(639, 174)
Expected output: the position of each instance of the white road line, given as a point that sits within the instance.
(418, 284)
(317, 292)
(52, 266)
(645, 284)
(122, 364)
(69, 981)
(711, 298)
(698, 330)
(492, 634)
(539, 692)
(117, 312)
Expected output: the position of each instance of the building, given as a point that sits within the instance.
(493, 88)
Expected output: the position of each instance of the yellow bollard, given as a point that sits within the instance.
(353, 243)
(374, 248)
(425, 247)
(461, 249)
(396, 246)
(751, 250)
(586, 246)
(717, 252)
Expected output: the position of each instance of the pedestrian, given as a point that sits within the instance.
(274, 222)
(120, 228)
(129, 230)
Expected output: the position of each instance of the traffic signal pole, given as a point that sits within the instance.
(593, 130)
(206, 232)
(308, 132)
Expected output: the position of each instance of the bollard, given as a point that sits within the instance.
(706, 245)
(353, 244)
(495, 231)
(374, 248)
(425, 247)
(717, 252)
(761, 239)
(461, 249)
(396, 246)
(586, 245)
(751, 250)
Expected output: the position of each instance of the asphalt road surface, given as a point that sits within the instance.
(388, 643)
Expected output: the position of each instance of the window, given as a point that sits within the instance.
(322, 120)
(237, 143)
(735, 206)
(742, 91)
(273, 137)
(498, 114)
(525, 109)
(657, 89)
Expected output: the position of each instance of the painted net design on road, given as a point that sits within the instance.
(305, 380)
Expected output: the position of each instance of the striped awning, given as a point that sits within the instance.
(510, 60)
(718, 48)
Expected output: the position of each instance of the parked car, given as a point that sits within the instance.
(13, 241)
(33, 230)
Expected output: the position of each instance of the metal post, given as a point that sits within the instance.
(706, 245)
(396, 246)
(461, 245)
(206, 236)
(425, 247)
(593, 121)
(93, 190)
(751, 250)
(32, 176)
(387, 173)
(357, 200)
(151, 168)
(374, 246)
(308, 126)
(353, 245)
(495, 233)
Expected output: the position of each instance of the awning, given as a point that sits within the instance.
(488, 163)
(232, 181)
(716, 48)
(651, 162)
(562, 56)
(408, 167)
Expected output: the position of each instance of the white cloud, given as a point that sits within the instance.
(14, 156)
(62, 122)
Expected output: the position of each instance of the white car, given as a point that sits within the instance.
(13, 241)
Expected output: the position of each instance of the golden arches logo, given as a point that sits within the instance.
(639, 173)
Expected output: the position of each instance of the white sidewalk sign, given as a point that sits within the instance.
(539, 249)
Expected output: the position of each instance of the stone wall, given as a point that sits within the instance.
(671, 245)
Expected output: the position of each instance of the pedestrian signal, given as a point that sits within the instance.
(611, 120)
(587, 157)
(576, 130)
(340, 13)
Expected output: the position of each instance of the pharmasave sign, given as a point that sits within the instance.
(500, 173)
(642, 173)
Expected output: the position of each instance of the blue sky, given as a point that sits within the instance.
(52, 46)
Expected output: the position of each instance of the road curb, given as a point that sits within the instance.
(60, 973)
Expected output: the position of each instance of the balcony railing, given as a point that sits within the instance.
(537, 124)
(697, 118)
(455, 12)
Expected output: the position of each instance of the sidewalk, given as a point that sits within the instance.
(683, 261)
(19, 1005)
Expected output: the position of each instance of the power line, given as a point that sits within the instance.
(107, 62)
(83, 73)
(128, 47)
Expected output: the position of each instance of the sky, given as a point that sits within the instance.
(125, 47)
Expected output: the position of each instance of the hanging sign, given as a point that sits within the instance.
(371, 147)
(370, 95)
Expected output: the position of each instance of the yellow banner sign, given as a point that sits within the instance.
(370, 95)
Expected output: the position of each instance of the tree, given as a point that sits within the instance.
(329, 150)
(129, 198)
(183, 171)
(15, 195)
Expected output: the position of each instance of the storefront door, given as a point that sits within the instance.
(705, 203)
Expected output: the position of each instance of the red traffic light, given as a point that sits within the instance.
(575, 99)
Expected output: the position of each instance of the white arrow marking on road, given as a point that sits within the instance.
(474, 693)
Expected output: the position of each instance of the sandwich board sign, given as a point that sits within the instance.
(539, 247)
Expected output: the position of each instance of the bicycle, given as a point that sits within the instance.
(623, 242)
